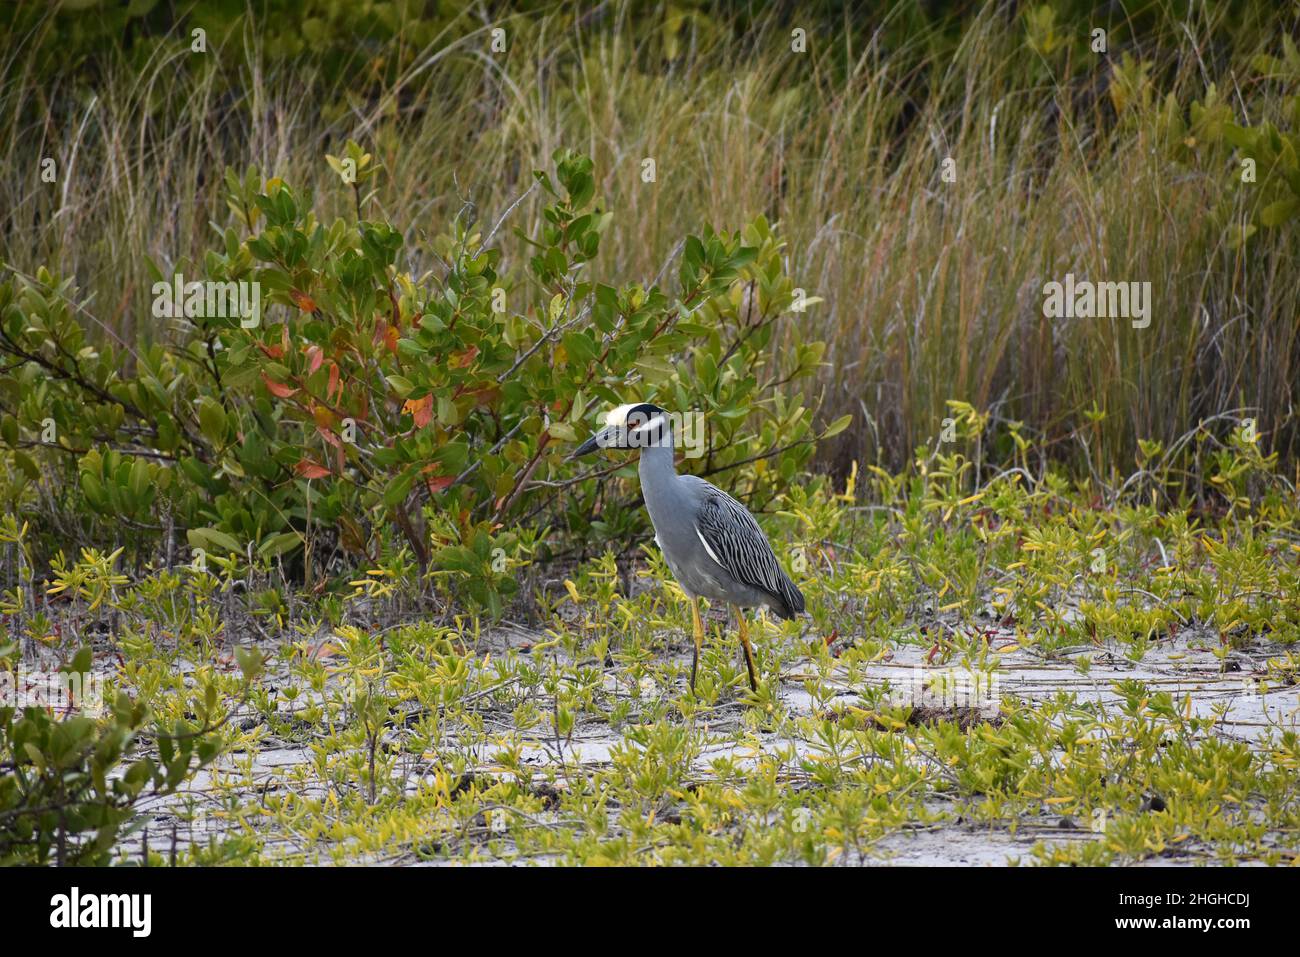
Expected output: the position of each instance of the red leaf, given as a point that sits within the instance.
(278, 389)
(484, 395)
(385, 334)
(315, 356)
(311, 470)
(460, 360)
(438, 483)
(334, 380)
(421, 410)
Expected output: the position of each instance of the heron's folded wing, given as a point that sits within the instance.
(734, 540)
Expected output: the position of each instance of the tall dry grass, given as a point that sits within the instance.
(931, 290)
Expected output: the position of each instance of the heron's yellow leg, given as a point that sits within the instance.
(749, 652)
(699, 639)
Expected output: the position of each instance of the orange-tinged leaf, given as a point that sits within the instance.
(460, 360)
(278, 389)
(421, 410)
(311, 470)
(302, 300)
(315, 356)
(386, 334)
(439, 483)
(485, 395)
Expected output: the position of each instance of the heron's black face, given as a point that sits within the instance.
(629, 427)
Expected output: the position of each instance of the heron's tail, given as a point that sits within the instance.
(789, 599)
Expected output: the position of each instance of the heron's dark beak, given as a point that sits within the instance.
(604, 439)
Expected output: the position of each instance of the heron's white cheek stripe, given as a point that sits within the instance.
(707, 548)
(649, 427)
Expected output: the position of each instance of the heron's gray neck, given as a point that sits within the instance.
(656, 468)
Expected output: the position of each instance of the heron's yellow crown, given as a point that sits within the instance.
(618, 415)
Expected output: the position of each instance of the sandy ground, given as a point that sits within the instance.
(1184, 667)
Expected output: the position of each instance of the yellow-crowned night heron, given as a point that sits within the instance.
(712, 544)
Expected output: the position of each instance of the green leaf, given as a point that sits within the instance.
(396, 491)
(250, 661)
(838, 426)
(27, 464)
(212, 420)
(1275, 214)
(654, 368)
(275, 545)
(563, 431)
(212, 540)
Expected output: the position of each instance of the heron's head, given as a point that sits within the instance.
(636, 426)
